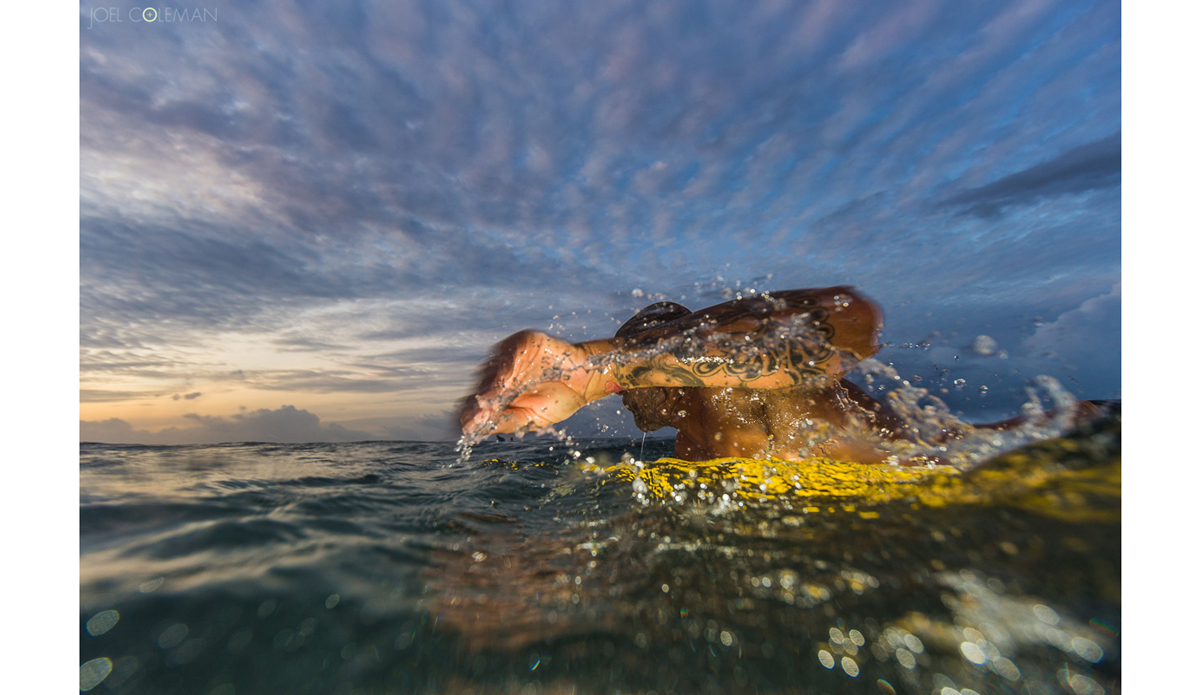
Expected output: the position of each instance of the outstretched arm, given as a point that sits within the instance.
(773, 340)
(776, 340)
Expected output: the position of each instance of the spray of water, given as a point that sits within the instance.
(935, 432)
(940, 433)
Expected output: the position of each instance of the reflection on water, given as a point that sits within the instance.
(377, 568)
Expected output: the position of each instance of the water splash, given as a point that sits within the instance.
(938, 432)
(933, 432)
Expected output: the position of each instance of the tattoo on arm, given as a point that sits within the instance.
(678, 375)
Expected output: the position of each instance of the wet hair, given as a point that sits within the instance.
(651, 317)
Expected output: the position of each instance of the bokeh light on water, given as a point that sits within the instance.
(383, 567)
(93, 673)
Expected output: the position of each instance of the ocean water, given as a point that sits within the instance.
(544, 567)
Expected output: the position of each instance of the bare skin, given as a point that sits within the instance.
(794, 339)
(839, 421)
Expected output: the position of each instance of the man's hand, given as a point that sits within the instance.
(530, 382)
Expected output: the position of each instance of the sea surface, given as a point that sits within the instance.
(586, 567)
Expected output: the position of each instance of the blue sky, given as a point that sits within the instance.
(303, 221)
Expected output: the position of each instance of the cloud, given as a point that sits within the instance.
(112, 431)
(1080, 347)
(286, 424)
(370, 379)
(1095, 165)
(1077, 336)
(373, 211)
(110, 396)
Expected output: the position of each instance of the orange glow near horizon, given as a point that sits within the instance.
(233, 374)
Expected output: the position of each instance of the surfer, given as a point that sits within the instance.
(757, 377)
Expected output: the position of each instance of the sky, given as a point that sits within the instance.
(309, 222)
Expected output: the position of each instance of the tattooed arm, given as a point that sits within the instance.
(773, 340)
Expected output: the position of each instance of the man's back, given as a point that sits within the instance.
(838, 421)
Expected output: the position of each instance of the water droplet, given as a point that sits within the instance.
(1046, 614)
(850, 666)
(102, 622)
(1006, 668)
(94, 672)
(914, 643)
(984, 345)
(971, 652)
(172, 636)
(960, 383)
(825, 658)
(332, 600)
(1082, 685)
(1087, 649)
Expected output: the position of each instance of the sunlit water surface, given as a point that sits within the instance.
(393, 567)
